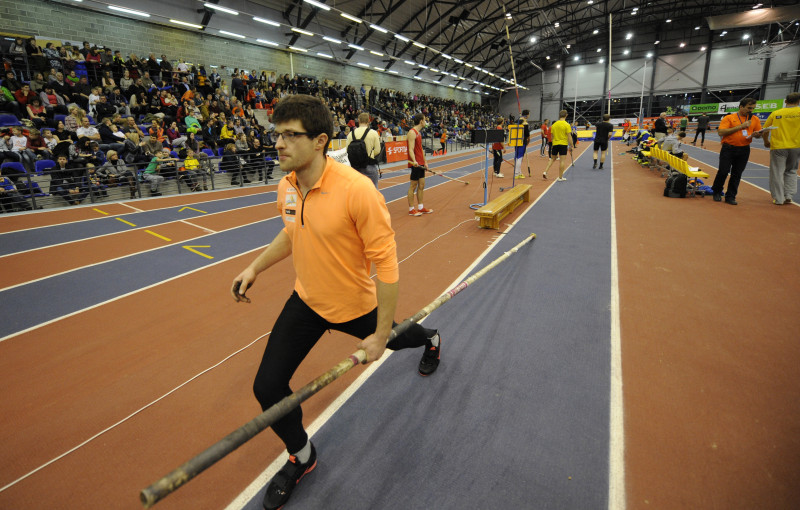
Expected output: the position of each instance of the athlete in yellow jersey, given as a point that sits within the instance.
(561, 133)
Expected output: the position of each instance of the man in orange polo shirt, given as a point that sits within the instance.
(336, 224)
(737, 131)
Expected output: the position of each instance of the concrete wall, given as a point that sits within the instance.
(52, 20)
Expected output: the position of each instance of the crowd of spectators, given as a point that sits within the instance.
(153, 114)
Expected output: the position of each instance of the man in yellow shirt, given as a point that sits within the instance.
(561, 133)
(336, 225)
(784, 149)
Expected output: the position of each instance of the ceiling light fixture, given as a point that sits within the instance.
(324, 55)
(331, 39)
(264, 41)
(232, 34)
(295, 48)
(362, 64)
(179, 22)
(683, 44)
(267, 21)
(351, 18)
(221, 9)
(318, 5)
(378, 28)
(356, 47)
(301, 31)
(129, 11)
(418, 45)
(402, 38)
(376, 53)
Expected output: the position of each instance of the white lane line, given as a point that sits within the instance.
(107, 261)
(124, 231)
(69, 222)
(123, 420)
(616, 440)
(132, 207)
(198, 226)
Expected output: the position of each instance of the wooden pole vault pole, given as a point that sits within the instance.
(516, 87)
(178, 477)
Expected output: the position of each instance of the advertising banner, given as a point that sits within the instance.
(396, 151)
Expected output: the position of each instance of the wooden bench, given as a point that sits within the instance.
(493, 212)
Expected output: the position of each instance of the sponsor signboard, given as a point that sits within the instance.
(396, 151)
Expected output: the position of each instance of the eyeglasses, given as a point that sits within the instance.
(289, 136)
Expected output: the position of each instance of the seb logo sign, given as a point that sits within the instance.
(396, 151)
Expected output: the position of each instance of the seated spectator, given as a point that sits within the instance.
(11, 82)
(82, 90)
(94, 98)
(93, 183)
(19, 146)
(156, 131)
(37, 113)
(110, 136)
(232, 163)
(61, 132)
(37, 145)
(115, 171)
(88, 131)
(174, 137)
(75, 119)
(50, 141)
(108, 82)
(67, 181)
(9, 104)
(23, 95)
(152, 147)
(126, 82)
(37, 83)
(10, 199)
(227, 135)
(131, 127)
(160, 164)
(672, 144)
(118, 101)
(52, 101)
(103, 109)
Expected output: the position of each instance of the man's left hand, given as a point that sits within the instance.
(373, 345)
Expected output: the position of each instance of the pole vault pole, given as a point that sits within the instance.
(609, 62)
(516, 89)
(177, 478)
(641, 97)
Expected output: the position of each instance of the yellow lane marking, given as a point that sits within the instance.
(158, 236)
(98, 210)
(192, 208)
(126, 222)
(191, 249)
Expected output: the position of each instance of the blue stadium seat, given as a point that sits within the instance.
(44, 164)
(9, 120)
(208, 152)
(59, 117)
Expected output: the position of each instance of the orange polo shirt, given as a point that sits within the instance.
(737, 137)
(339, 228)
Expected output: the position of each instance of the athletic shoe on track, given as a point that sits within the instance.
(544, 175)
(430, 358)
(283, 483)
(499, 175)
(414, 213)
(425, 210)
(561, 179)
(519, 176)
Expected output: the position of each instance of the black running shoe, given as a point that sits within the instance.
(283, 483)
(430, 358)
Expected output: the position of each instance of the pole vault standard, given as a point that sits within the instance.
(177, 478)
(516, 89)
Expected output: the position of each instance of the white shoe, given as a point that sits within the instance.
(561, 179)
(499, 175)
(519, 176)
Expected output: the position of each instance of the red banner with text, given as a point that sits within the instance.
(396, 151)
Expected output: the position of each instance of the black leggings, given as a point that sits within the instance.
(295, 333)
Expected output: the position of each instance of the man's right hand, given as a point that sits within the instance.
(241, 284)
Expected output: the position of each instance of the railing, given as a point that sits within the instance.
(42, 190)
